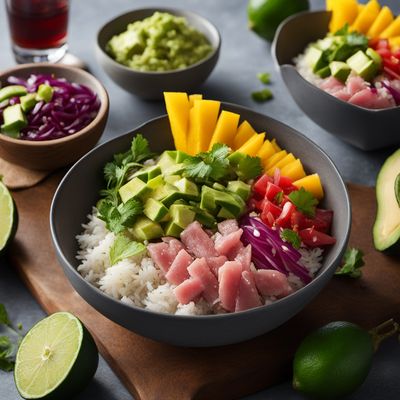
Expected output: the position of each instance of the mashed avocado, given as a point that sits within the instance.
(162, 42)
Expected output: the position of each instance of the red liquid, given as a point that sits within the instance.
(38, 24)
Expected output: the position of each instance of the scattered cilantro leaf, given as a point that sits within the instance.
(342, 31)
(304, 201)
(123, 247)
(140, 149)
(264, 77)
(4, 319)
(278, 197)
(352, 263)
(249, 167)
(291, 237)
(262, 95)
(355, 39)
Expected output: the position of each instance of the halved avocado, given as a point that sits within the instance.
(386, 230)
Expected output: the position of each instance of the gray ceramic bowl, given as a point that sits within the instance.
(151, 85)
(361, 127)
(68, 212)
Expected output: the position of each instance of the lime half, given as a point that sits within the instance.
(56, 359)
(8, 216)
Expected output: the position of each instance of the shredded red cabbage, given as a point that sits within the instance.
(72, 107)
(394, 92)
(269, 251)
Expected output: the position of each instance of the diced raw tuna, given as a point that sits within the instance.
(197, 242)
(188, 290)
(272, 283)
(248, 296)
(199, 269)
(355, 84)
(215, 263)
(178, 272)
(342, 94)
(331, 84)
(365, 98)
(229, 276)
(162, 255)
(228, 226)
(228, 243)
(244, 257)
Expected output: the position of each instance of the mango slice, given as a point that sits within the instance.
(392, 30)
(266, 151)
(394, 42)
(311, 183)
(193, 97)
(226, 128)
(384, 19)
(275, 144)
(343, 11)
(243, 134)
(294, 170)
(278, 156)
(366, 17)
(280, 164)
(253, 145)
(178, 107)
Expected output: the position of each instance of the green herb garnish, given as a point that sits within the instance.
(262, 95)
(123, 247)
(249, 168)
(291, 237)
(278, 198)
(304, 201)
(352, 263)
(264, 77)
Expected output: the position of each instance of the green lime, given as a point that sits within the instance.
(8, 217)
(266, 15)
(333, 361)
(56, 359)
(397, 189)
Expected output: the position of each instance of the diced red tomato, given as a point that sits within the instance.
(313, 238)
(396, 54)
(391, 73)
(284, 219)
(321, 222)
(379, 44)
(267, 218)
(272, 191)
(260, 186)
(384, 53)
(272, 208)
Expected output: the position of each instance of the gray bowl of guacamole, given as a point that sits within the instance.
(149, 51)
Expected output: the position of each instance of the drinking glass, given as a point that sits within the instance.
(38, 29)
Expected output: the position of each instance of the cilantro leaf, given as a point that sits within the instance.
(8, 352)
(352, 263)
(264, 77)
(291, 237)
(249, 167)
(304, 201)
(140, 149)
(262, 95)
(4, 319)
(342, 31)
(123, 247)
(278, 198)
(356, 39)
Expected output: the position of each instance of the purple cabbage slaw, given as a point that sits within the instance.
(269, 251)
(72, 107)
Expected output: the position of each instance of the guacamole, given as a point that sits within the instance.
(162, 42)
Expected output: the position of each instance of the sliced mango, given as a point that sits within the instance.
(193, 97)
(226, 129)
(253, 145)
(178, 107)
(294, 170)
(275, 159)
(366, 17)
(384, 19)
(311, 183)
(243, 134)
(394, 42)
(275, 144)
(280, 164)
(392, 30)
(343, 11)
(361, 7)
(266, 151)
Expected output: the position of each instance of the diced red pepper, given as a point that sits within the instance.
(260, 186)
(313, 238)
(284, 219)
(268, 219)
(272, 191)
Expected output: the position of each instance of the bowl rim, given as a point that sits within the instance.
(342, 244)
(312, 86)
(174, 11)
(100, 91)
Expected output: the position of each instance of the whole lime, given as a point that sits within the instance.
(333, 361)
(266, 15)
(8, 217)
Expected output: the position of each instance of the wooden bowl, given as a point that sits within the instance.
(56, 153)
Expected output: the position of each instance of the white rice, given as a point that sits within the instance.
(138, 282)
(305, 70)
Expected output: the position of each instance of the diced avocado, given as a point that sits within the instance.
(146, 229)
(175, 169)
(45, 92)
(362, 65)
(324, 72)
(207, 200)
(225, 214)
(340, 70)
(171, 198)
(315, 58)
(375, 57)
(218, 186)
(154, 210)
(342, 53)
(386, 230)
(166, 160)
(155, 182)
(187, 187)
(232, 202)
(182, 215)
(172, 154)
(211, 198)
(173, 229)
(12, 91)
(172, 178)
(14, 120)
(206, 219)
(240, 188)
(147, 173)
(134, 188)
(28, 102)
(163, 191)
(181, 156)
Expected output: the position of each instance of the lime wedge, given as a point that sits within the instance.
(56, 359)
(7, 216)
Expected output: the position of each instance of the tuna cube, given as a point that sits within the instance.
(248, 296)
(244, 257)
(228, 244)
(178, 272)
(200, 269)
(272, 283)
(197, 242)
(215, 263)
(164, 253)
(188, 290)
(229, 276)
(228, 226)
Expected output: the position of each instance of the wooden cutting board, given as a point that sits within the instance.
(152, 370)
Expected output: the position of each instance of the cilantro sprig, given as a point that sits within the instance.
(123, 247)
(352, 263)
(304, 201)
(291, 237)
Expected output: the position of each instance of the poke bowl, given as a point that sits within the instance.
(150, 84)
(197, 320)
(55, 127)
(362, 127)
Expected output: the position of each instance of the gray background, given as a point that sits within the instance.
(243, 55)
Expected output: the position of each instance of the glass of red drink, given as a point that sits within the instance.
(38, 29)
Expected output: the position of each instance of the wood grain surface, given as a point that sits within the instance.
(152, 370)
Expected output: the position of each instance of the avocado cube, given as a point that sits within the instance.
(45, 93)
(206, 219)
(173, 229)
(187, 188)
(375, 57)
(134, 188)
(28, 102)
(12, 91)
(147, 173)
(146, 229)
(229, 202)
(225, 214)
(207, 199)
(315, 58)
(182, 215)
(166, 161)
(218, 186)
(362, 65)
(340, 70)
(240, 188)
(172, 178)
(154, 210)
(324, 72)
(14, 120)
(175, 169)
(155, 182)
(163, 191)
(181, 156)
